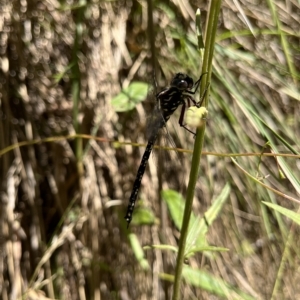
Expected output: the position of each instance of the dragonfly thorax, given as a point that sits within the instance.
(170, 98)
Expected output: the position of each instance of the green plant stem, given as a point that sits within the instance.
(283, 39)
(211, 28)
(76, 80)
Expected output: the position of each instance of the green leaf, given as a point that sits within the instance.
(217, 204)
(129, 97)
(286, 212)
(162, 247)
(198, 226)
(199, 30)
(212, 284)
(175, 205)
(138, 251)
(143, 216)
(196, 234)
(205, 248)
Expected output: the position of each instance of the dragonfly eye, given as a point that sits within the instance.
(182, 85)
(191, 84)
(182, 81)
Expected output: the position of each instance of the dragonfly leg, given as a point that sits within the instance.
(203, 96)
(182, 116)
(196, 85)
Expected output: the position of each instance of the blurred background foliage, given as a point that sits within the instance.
(63, 199)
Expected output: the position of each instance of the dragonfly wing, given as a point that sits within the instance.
(155, 122)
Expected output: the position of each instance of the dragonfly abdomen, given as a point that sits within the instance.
(138, 179)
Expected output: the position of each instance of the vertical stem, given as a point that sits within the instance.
(151, 35)
(79, 13)
(211, 28)
(151, 40)
(283, 39)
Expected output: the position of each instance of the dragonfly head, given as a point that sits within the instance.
(182, 82)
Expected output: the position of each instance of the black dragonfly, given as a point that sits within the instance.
(179, 93)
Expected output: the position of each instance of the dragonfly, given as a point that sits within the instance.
(180, 92)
